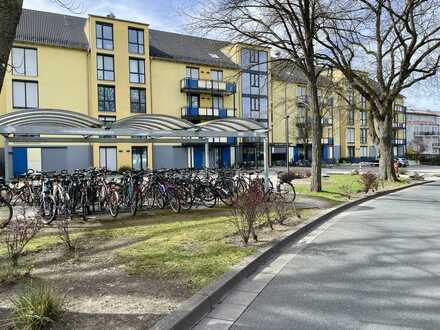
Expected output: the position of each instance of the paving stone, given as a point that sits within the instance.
(240, 297)
(228, 312)
(209, 323)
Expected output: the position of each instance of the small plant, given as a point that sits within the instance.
(248, 208)
(369, 181)
(37, 307)
(281, 209)
(18, 234)
(346, 189)
(63, 225)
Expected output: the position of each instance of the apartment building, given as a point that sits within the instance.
(344, 119)
(423, 131)
(110, 69)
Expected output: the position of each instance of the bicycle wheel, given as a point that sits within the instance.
(5, 213)
(6, 193)
(287, 190)
(173, 201)
(134, 203)
(208, 197)
(113, 204)
(47, 209)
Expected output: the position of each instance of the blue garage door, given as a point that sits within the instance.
(19, 160)
(199, 157)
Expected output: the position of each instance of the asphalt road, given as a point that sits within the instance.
(374, 267)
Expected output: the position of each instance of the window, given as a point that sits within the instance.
(301, 91)
(104, 36)
(350, 152)
(350, 97)
(193, 101)
(137, 100)
(107, 120)
(363, 102)
(139, 158)
(363, 136)
(135, 41)
(217, 75)
(364, 151)
(255, 104)
(106, 98)
(350, 117)
(108, 158)
(24, 61)
(217, 102)
(137, 71)
(363, 118)
(24, 94)
(105, 67)
(253, 53)
(255, 80)
(192, 73)
(350, 135)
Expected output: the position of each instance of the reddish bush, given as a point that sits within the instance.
(369, 181)
(248, 207)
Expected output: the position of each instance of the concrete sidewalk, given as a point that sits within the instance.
(374, 267)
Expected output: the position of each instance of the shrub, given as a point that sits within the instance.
(124, 169)
(248, 207)
(63, 225)
(369, 181)
(346, 189)
(18, 234)
(295, 174)
(37, 307)
(281, 209)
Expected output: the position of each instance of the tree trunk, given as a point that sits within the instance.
(315, 184)
(386, 160)
(10, 12)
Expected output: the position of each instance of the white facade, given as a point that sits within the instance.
(423, 131)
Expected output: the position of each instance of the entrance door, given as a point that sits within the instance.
(226, 157)
(19, 160)
(199, 157)
(107, 158)
(139, 158)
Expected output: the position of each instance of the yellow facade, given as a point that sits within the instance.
(67, 79)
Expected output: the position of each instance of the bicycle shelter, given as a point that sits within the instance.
(64, 126)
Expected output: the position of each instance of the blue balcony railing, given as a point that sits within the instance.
(207, 86)
(209, 113)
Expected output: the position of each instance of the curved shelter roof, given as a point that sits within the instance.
(146, 126)
(231, 125)
(153, 122)
(49, 117)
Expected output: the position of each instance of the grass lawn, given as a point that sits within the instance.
(335, 187)
(189, 249)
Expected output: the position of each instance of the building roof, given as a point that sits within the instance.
(69, 31)
(184, 48)
(289, 72)
(52, 29)
(423, 112)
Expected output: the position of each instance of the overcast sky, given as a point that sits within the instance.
(167, 15)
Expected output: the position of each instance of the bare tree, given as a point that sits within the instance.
(287, 26)
(10, 12)
(398, 41)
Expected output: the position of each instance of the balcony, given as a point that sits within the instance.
(303, 121)
(301, 140)
(398, 142)
(436, 145)
(400, 125)
(327, 121)
(206, 113)
(399, 108)
(207, 86)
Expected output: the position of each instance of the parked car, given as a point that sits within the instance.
(403, 162)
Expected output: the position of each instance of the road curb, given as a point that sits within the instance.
(195, 308)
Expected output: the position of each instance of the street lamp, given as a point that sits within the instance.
(286, 117)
